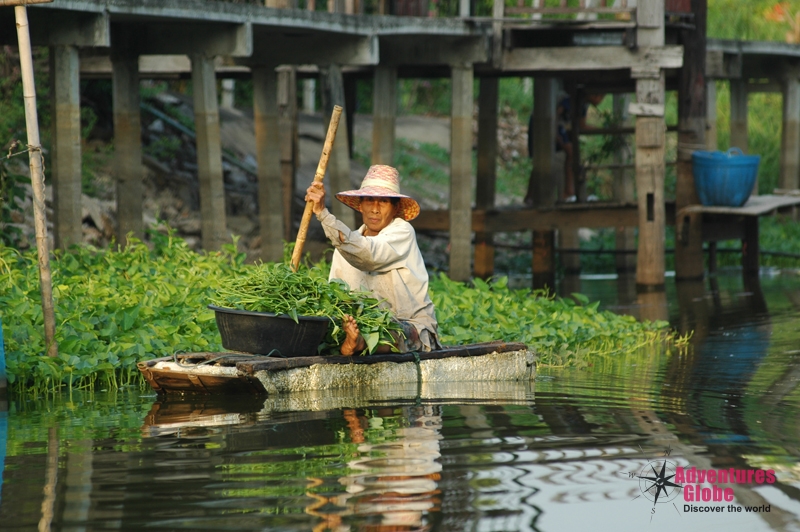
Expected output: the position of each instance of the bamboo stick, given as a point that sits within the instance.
(37, 178)
(318, 177)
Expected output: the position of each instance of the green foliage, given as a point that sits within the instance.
(275, 288)
(12, 192)
(560, 330)
(734, 19)
(164, 148)
(113, 309)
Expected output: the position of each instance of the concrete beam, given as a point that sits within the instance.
(422, 50)
(279, 48)
(69, 28)
(592, 58)
(184, 37)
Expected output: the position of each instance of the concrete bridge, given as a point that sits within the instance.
(642, 50)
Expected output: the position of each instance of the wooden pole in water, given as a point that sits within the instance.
(318, 177)
(37, 172)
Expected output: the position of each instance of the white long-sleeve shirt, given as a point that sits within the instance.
(390, 266)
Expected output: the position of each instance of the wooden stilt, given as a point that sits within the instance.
(691, 136)
(127, 147)
(209, 153)
(790, 139)
(287, 127)
(268, 154)
(543, 186)
(66, 157)
(487, 171)
(461, 172)
(384, 111)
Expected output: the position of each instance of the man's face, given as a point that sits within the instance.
(377, 213)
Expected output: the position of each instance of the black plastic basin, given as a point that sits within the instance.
(264, 333)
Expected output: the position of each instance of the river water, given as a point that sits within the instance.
(578, 449)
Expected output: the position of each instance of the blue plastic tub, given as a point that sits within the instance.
(724, 179)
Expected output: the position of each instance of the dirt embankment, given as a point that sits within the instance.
(170, 171)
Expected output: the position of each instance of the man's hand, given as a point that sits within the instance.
(316, 194)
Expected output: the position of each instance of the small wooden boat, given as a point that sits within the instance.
(235, 372)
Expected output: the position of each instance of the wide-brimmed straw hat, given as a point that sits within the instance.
(381, 181)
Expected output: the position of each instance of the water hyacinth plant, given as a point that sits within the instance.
(115, 308)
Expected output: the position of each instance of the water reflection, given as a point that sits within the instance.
(563, 455)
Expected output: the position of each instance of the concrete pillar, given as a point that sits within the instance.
(739, 114)
(692, 110)
(461, 77)
(268, 155)
(790, 140)
(66, 156)
(384, 111)
(624, 192)
(309, 95)
(711, 115)
(543, 185)
(289, 150)
(228, 93)
(127, 147)
(339, 163)
(487, 171)
(209, 153)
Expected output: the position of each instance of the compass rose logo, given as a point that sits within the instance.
(655, 482)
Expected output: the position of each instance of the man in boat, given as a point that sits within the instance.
(381, 257)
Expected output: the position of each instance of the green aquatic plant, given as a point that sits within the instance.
(275, 288)
(117, 307)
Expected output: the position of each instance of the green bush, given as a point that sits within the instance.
(115, 308)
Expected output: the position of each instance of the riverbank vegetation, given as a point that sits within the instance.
(115, 308)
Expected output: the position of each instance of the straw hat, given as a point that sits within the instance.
(381, 181)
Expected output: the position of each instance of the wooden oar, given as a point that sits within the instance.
(323, 164)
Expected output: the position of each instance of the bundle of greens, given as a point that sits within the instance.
(275, 288)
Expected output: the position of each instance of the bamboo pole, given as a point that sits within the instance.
(37, 177)
(318, 177)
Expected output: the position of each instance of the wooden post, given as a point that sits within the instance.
(711, 115)
(287, 126)
(543, 185)
(339, 166)
(623, 190)
(738, 126)
(691, 136)
(790, 140)
(66, 159)
(268, 154)
(487, 171)
(37, 179)
(209, 153)
(650, 152)
(384, 111)
(461, 172)
(127, 146)
(750, 247)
